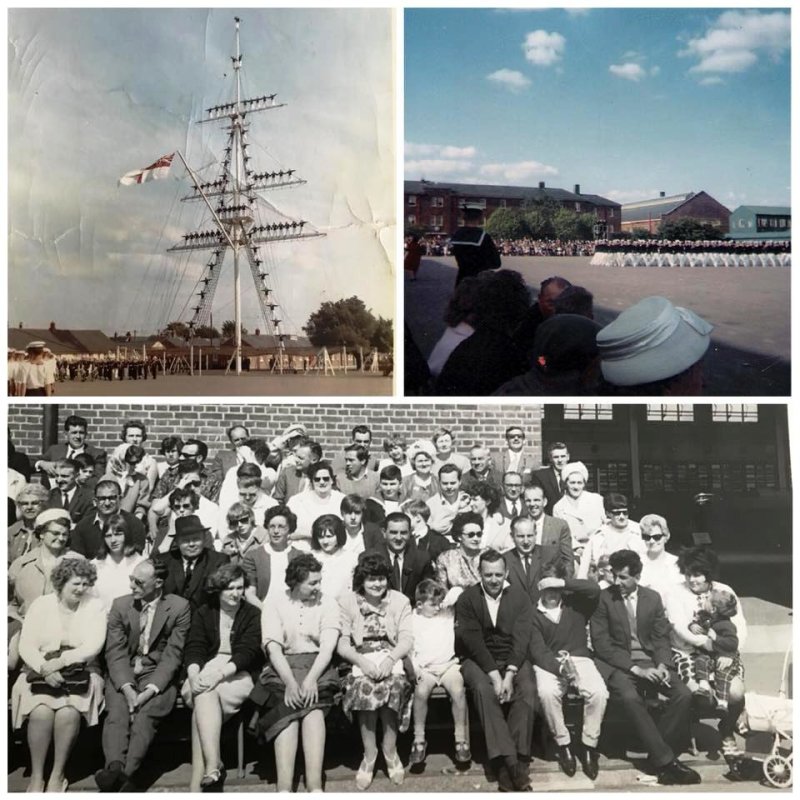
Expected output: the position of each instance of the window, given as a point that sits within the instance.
(584, 411)
(437, 202)
(670, 413)
(412, 200)
(503, 203)
(412, 219)
(734, 412)
(437, 220)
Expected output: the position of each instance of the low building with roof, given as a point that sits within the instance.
(436, 208)
(63, 342)
(761, 222)
(650, 214)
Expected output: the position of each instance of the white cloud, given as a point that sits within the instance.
(517, 171)
(543, 48)
(417, 150)
(736, 40)
(711, 80)
(510, 79)
(629, 71)
(577, 12)
(428, 167)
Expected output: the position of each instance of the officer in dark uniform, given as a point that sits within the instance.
(473, 248)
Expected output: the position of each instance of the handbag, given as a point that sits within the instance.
(76, 679)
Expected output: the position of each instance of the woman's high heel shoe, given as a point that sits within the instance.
(394, 766)
(365, 773)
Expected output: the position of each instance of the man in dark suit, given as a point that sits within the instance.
(66, 493)
(549, 478)
(511, 504)
(191, 562)
(630, 636)
(87, 536)
(515, 457)
(492, 634)
(144, 653)
(552, 535)
(75, 430)
(481, 471)
(525, 560)
(409, 565)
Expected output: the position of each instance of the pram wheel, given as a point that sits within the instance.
(778, 771)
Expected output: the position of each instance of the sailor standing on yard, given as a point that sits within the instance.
(473, 248)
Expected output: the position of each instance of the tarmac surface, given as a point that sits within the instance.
(215, 383)
(769, 635)
(750, 309)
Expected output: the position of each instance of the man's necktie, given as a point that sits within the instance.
(70, 453)
(396, 573)
(66, 500)
(515, 510)
(143, 614)
(187, 577)
(528, 569)
(631, 609)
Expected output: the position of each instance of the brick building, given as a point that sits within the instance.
(649, 214)
(436, 207)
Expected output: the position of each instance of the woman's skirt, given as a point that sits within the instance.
(365, 694)
(232, 692)
(89, 704)
(268, 694)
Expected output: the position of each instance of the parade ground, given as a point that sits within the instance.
(215, 383)
(749, 308)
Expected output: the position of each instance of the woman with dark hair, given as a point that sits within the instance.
(457, 569)
(265, 566)
(328, 537)
(322, 497)
(376, 637)
(60, 684)
(686, 605)
(222, 649)
(297, 688)
(115, 561)
(484, 500)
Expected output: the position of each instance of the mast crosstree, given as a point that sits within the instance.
(235, 192)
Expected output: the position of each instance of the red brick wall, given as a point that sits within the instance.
(330, 424)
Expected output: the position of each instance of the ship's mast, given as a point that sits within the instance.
(236, 191)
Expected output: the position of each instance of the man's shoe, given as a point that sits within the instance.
(590, 762)
(677, 774)
(504, 782)
(463, 754)
(520, 777)
(110, 778)
(566, 760)
(418, 752)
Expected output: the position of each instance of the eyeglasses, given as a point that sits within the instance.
(515, 436)
(240, 520)
(322, 479)
(471, 534)
(619, 512)
(107, 498)
(652, 537)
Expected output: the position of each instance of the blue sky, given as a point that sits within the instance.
(96, 93)
(625, 102)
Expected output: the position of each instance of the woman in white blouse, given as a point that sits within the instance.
(659, 568)
(115, 561)
(297, 689)
(328, 537)
(62, 634)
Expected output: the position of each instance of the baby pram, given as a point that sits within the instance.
(769, 714)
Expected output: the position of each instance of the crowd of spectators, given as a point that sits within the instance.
(272, 580)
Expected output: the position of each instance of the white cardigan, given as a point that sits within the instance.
(42, 632)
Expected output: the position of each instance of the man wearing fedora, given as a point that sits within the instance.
(655, 348)
(147, 630)
(191, 561)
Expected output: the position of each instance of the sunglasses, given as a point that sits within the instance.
(471, 535)
(652, 537)
(240, 520)
(322, 479)
(515, 436)
(619, 512)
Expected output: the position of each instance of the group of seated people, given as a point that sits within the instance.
(424, 569)
(497, 343)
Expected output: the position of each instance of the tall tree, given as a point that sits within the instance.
(179, 329)
(350, 323)
(507, 223)
(229, 329)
